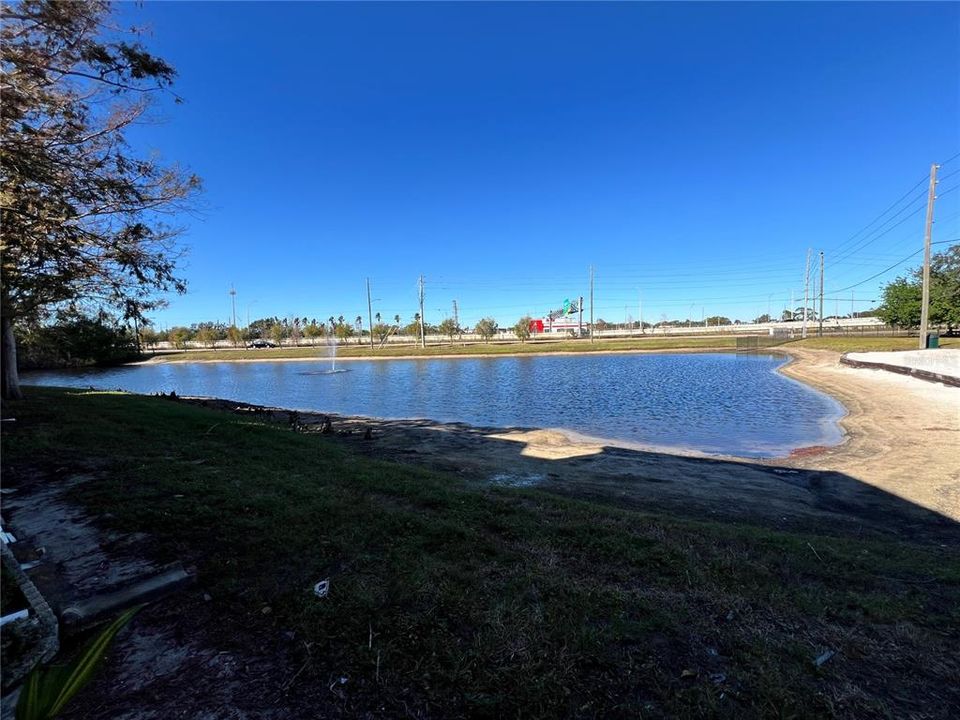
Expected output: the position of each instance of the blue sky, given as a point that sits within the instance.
(690, 152)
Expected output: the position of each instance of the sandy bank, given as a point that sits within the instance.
(903, 434)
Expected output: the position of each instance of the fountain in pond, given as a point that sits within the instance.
(331, 351)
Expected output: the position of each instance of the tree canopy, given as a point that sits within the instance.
(84, 218)
(902, 297)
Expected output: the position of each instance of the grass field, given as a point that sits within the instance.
(455, 600)
(866, 343)
(719, 342)
(350, 350)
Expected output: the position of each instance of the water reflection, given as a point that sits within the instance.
(715, 403)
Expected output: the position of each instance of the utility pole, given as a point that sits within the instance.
(820, 330)
(591, 303)
(928, 229)
(233, 302)
(369, 313)
(806, 295)
(580, 320)
(423, 341)
(456, 315)
(640, 310)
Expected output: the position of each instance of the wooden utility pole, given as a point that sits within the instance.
(370, 313)
(806, 295)
(456, 316)
(640, 310)
(423, 341)
(928, 230)
(820, 329)
(591, 303)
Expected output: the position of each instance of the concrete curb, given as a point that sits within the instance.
(903, 370)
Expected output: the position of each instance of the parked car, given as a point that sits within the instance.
(261, 343)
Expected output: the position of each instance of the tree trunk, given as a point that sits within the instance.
(8, 359)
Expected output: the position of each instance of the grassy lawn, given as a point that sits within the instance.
(866, 343)
(453, 600)
(494, 348)
(718, 342)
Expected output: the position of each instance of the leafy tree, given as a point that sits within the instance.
(313, 331)
(786, 316)
(602, 324)
(381, 331)
(715, 320)
(295, 332)
(396, 320)
(178, 337)
(486, 328)
(449, 328)
(343, 331)
(75, 339)
(763, 319)
(206, 337)
(277, 333)
(522, 328)
(150, 337)
(82, 217)
(945, 288)
(234, 335)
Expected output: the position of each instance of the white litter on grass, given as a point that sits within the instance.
(510, 480)
(821, 659)
(321, 588)
(6, 537)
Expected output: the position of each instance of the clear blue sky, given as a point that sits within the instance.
(690, 152)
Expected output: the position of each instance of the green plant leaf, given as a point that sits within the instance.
(46, 691)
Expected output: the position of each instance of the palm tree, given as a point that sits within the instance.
(377, 316)
(396, 319)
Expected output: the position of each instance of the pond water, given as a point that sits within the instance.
(716, 403)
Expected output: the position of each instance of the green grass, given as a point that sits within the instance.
(498, 602)
(650, 343)
(350, 350)
(865, 343)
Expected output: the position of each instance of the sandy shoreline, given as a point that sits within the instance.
(896, 471)
(902, 434)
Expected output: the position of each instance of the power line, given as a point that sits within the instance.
(872, 222)
(896, 264)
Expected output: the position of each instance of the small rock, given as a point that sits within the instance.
(266, 610)
(207, 597)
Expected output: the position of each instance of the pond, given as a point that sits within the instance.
(715, 403)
